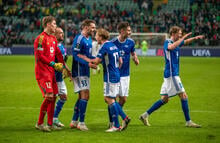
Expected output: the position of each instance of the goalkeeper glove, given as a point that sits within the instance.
(57, 66)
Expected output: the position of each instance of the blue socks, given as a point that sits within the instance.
(159, 103)
(185, 108)
(120, 111)
(76, 111)
(59, 107)
(114, 113)
(82, 109)
(155, 106)
(109, 114)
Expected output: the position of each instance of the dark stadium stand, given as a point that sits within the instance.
(20, 19)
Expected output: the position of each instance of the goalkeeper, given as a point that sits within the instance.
(45, 51)
(62, 90)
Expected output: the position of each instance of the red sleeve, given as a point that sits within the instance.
(39, 47)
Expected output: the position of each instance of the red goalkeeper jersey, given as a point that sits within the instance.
(45, 51)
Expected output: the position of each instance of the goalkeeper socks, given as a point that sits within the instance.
(155, 106)
(43, 111)
(120, 110)
(114, 113)
(82, 109)
(50, 112)
(109, 114)
(185, 108)
(59, 107)
(76, 111)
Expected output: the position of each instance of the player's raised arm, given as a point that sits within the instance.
(189, 40)
(178, 42)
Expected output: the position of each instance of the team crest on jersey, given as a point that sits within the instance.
(122, 52)
(126, 46)
(41, 39)
(53, 42)
(47, 43)
(77, 46)
(51, 49)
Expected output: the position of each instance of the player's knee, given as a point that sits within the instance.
(183, 96)
(165, 99)
(63, 97)
(49, 96)
(109, 101)
(84, 95)
(122, 99)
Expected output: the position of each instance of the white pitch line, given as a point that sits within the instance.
(104, 110)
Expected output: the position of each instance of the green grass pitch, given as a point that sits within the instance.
(21, 98)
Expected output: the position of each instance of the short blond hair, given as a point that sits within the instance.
(47, 19)
(103, 33)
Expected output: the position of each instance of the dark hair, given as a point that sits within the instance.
(86, 22)
(122, 25)
(47, 19)
(103, 33)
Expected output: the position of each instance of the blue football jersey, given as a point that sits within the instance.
(81, 45)
(63, 51)
(126, 48)
(109, 54)
(171, 59)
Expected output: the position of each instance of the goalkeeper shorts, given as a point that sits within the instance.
(47, 86)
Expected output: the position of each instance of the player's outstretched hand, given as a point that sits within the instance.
(136, 61)
(199, 37)
(67, 73)
(92, 65)
(186, 35)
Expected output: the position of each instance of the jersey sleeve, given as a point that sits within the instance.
(77, 47)
(102, 52)
(166, 44)
(59, 55)
(39, 47)
(132, 46)
(181, 44)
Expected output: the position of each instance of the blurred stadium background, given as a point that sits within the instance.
(20, 20)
